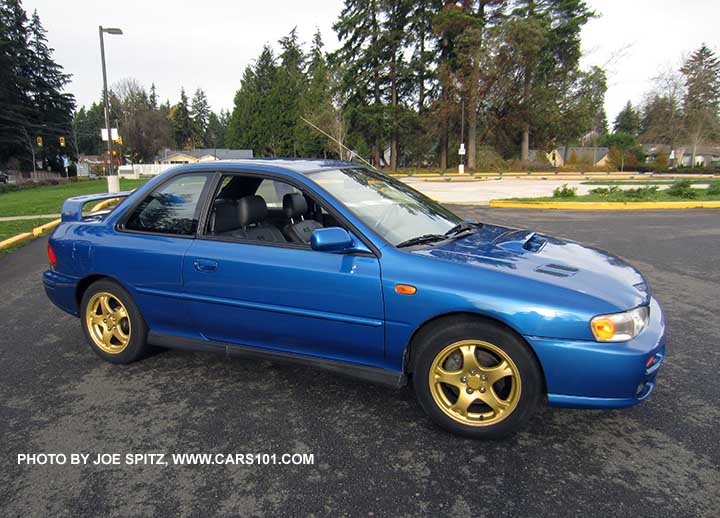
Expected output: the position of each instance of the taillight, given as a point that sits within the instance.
(52, 258)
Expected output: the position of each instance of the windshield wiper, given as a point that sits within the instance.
(460, 227)
(419, 240)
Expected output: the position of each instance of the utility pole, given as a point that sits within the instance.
(461, 152)
(112, 179)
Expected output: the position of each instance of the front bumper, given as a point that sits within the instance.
(61, 290)
(584, 374)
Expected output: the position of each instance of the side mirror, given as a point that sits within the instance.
(336, 239)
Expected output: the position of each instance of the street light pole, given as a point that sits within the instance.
(112, 179)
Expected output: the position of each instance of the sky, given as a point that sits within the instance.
(208, 44)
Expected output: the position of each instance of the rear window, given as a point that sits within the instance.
(173, 208)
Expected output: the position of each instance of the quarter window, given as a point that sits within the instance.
(273, 192)
(172, 209)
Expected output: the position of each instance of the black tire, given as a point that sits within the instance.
(136, 346)
(438, 337)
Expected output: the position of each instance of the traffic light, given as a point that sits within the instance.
(39, 141)
(118, 141)
(62, 141)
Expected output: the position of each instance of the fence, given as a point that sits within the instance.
(136, 170)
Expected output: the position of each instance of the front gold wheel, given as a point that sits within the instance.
(475, 383)
(108, 322)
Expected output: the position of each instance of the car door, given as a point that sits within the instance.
(287, 298)
(147, 250)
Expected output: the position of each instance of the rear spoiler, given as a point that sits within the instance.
(72, 209)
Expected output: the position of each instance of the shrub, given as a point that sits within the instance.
(565, 192)
(606, 192)
(713, 189)
(642, 193)
(682, 189)
(487, 159)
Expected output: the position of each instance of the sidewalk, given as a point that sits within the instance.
(480, 193)
(34, 216)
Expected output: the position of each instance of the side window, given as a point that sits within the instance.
(172, 209)
(248, 208)
(273, 192)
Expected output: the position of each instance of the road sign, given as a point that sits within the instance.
(462, 149)
(113, 134)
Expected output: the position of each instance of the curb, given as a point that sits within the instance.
(605, 205)
(477, 178)
(39, 231)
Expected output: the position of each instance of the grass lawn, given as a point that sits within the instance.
(621, 196)
(12, 228)
(49, 199)
(644, 182)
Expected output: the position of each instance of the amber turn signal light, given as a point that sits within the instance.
(604, 328)
(405, 289)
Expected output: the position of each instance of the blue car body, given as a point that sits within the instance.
(341, 311)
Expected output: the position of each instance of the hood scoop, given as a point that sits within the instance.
(557, 270)
(521, 241)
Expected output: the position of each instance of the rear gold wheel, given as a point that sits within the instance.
(112, 322)
(108, 322)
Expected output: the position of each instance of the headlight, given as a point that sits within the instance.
(620, 327)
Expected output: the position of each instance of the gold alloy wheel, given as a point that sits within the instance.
(108, 322)
(475, 383)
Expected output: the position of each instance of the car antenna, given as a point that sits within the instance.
(353, 153)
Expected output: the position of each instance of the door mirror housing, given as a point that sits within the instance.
(337, 240)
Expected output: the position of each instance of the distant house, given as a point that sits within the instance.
(558, 157)
(192, 156)
(705, 156)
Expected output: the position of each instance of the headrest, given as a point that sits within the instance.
(225, 216)
(251, 209)
(294, 205)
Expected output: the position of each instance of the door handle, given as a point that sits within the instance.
(205, 265)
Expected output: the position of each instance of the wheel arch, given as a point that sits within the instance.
(408, 355)
(88, 281)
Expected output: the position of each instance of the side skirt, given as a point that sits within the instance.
(375, 375)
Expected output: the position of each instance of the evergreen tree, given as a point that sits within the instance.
(627, 121)
(395, 22)
(702, 99)
(86, 126)
(217, 129)
(32, 98)
(253, 121)
(362, 60)
(420, 40)
(200, 115)
(547, 33)
(286, 94)
(181, 123)
(315, 104)
(153, 99)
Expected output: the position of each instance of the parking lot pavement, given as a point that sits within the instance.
(375, 452)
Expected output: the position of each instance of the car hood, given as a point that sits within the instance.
(543, 258)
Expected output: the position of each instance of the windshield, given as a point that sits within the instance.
(395, 211)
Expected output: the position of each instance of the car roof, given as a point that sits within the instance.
(298, 165)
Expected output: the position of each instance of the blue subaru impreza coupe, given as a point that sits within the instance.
(341, 267)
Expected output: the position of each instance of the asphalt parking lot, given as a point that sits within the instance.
(375, 452)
